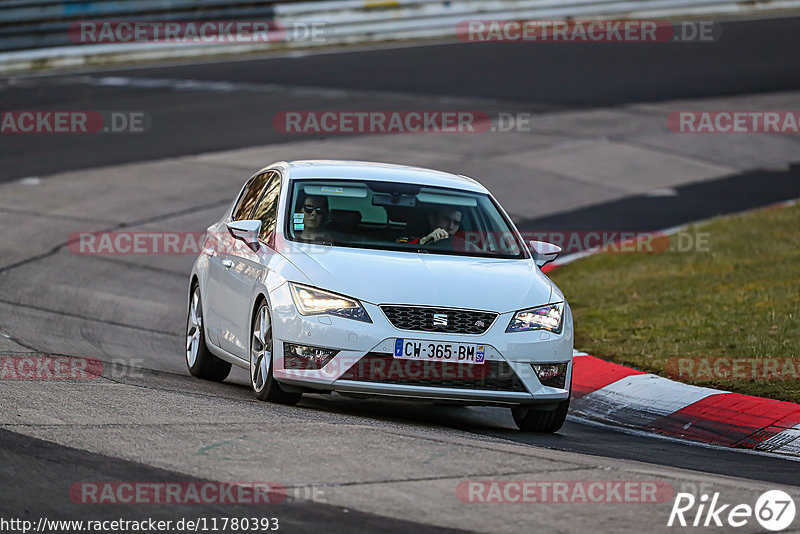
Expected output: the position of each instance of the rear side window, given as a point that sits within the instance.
(250, 196)
(267, 209)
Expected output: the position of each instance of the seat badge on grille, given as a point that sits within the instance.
(439, 319)
(480, 324)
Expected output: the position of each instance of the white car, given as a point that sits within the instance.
(379, 280)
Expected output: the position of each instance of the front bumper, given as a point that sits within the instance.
(506, 377)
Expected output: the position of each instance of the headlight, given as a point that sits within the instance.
(313, 301)
(540, 318)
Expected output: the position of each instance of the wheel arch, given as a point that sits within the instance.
(259, 297)
(195, 281)
(257, 300)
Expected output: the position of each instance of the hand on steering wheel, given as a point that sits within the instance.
(436, 235)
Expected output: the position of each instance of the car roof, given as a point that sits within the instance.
(381, 172)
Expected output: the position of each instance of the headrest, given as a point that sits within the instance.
(346, 217)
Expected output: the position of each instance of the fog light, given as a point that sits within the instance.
(551, 374)
(303, 357)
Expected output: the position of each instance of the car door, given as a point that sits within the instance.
(245, 268)
(220, 261)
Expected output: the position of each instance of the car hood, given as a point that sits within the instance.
(388, 277)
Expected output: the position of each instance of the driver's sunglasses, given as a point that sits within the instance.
(310, 209)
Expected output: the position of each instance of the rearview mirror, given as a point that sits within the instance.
(544, 252)
(387, 199)
(247, 231)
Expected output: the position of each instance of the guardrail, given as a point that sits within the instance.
(26, 25)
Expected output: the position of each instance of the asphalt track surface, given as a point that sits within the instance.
(759, 56)
(577, 436)
(750, 57)
(694, 202)
(36, 468)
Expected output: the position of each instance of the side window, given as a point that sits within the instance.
(250, 195)
(267, 209)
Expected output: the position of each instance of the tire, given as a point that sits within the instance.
(262, 381)
(199, 360)
(529, 419)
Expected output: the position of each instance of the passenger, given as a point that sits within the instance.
(315, 218)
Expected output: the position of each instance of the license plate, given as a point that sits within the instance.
(414, 349)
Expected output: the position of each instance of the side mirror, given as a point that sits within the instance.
(247, 231)
(544, 252)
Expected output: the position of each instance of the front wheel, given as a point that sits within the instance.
(262, 382)
(529, 419)
(199, 360)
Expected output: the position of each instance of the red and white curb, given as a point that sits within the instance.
(618, 395)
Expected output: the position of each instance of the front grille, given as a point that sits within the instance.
(421, 319)
(383, 368)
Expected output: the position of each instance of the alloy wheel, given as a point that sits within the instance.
(260, 350)
(194, 328)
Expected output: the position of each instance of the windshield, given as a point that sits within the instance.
(395, 216)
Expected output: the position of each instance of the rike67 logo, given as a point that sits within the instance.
(774, 510)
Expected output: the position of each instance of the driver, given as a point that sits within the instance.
(443, 224)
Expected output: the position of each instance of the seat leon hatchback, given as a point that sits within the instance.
(378, 280)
